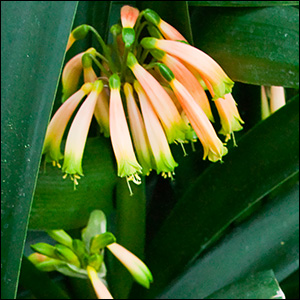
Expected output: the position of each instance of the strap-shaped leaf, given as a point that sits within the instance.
(268, 239)
(253, 45)
(242, 3)
(34, 38)
(266, 156)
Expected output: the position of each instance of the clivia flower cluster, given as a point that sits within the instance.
(85, 258)
(145, 95)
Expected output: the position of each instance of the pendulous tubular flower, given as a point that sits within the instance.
(164, 160)
(120, 137)
(138, 131)
(78, 133)
(163, 105)
(101, 112)
(58, 124)
(134, 265)
(212, 145)
(218, 83)
(168, 31)
(78, 33)
(186, 77)
(229, 115)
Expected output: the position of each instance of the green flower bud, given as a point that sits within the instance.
(80, 32)
(44, 249)
(148, 43)
(49, 265)
(66, 254)
(128, 36)
(100, 241)
(151, 16)
(158, 54)
(61, 237)
(86, 60)
(116, 29)
(154, 32)
(95, 261)
(114, 81)
(131, 60)
(166, 72)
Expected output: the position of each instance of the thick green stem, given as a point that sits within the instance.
(130, 232)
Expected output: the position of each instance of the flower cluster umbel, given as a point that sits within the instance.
(145, 95)
(83, 258)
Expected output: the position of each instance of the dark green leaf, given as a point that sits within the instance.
(57, 206)
(269, 239)
(39, 283)
(262, 285)
(176, 14)
(34, 37)
(267, 155)
(253, 45)
(242, 3)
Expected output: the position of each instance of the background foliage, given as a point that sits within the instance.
(215, 232)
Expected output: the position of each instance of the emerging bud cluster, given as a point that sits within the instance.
(145, 95)
(85, 258)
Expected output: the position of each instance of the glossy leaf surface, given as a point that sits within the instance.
(34, 37)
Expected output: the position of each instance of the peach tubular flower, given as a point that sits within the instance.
(71, 74)
(219, 83)
(129, 16)
(185, 76)
(102, 112)
(163, 105)
(89, 74)
(78, 33)
(277, 98)
(100, 289)
(58, 124)
(164, 160)
(168, 31)
(230, 118)
(78, 133)
(120, 137)
(134, 265)
(138, 131)
(212, 145)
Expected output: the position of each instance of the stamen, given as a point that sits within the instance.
(234, 141)
(65, 176)
(129, 187)
(76, 176)
(193, 146)
(183, 149)
(58, 165)
(53, 163)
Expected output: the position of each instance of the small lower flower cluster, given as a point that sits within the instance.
(84, 258)
(145, 95)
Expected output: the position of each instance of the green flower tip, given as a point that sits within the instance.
(100, 241)
(80, 32)
(45, 249)
(158, 54)
(152, 17)
(98, 86)
(116, 29)
(148, 43)
(154, 32)
(65, 253)
(61, 237)
(166, 72)
(131, 60)
(114, 81)
(95, 261)
(86, 60)
(128, 36)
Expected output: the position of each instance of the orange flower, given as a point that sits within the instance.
(212, 145)
(186, 77)
(129, 16)
(134, 265)
(57, 126)
(138, 131)
(163, 105)
(229, 115)
(164, 160)
(218, 83)
(120, 137)
(78, 133)
(100, 289)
